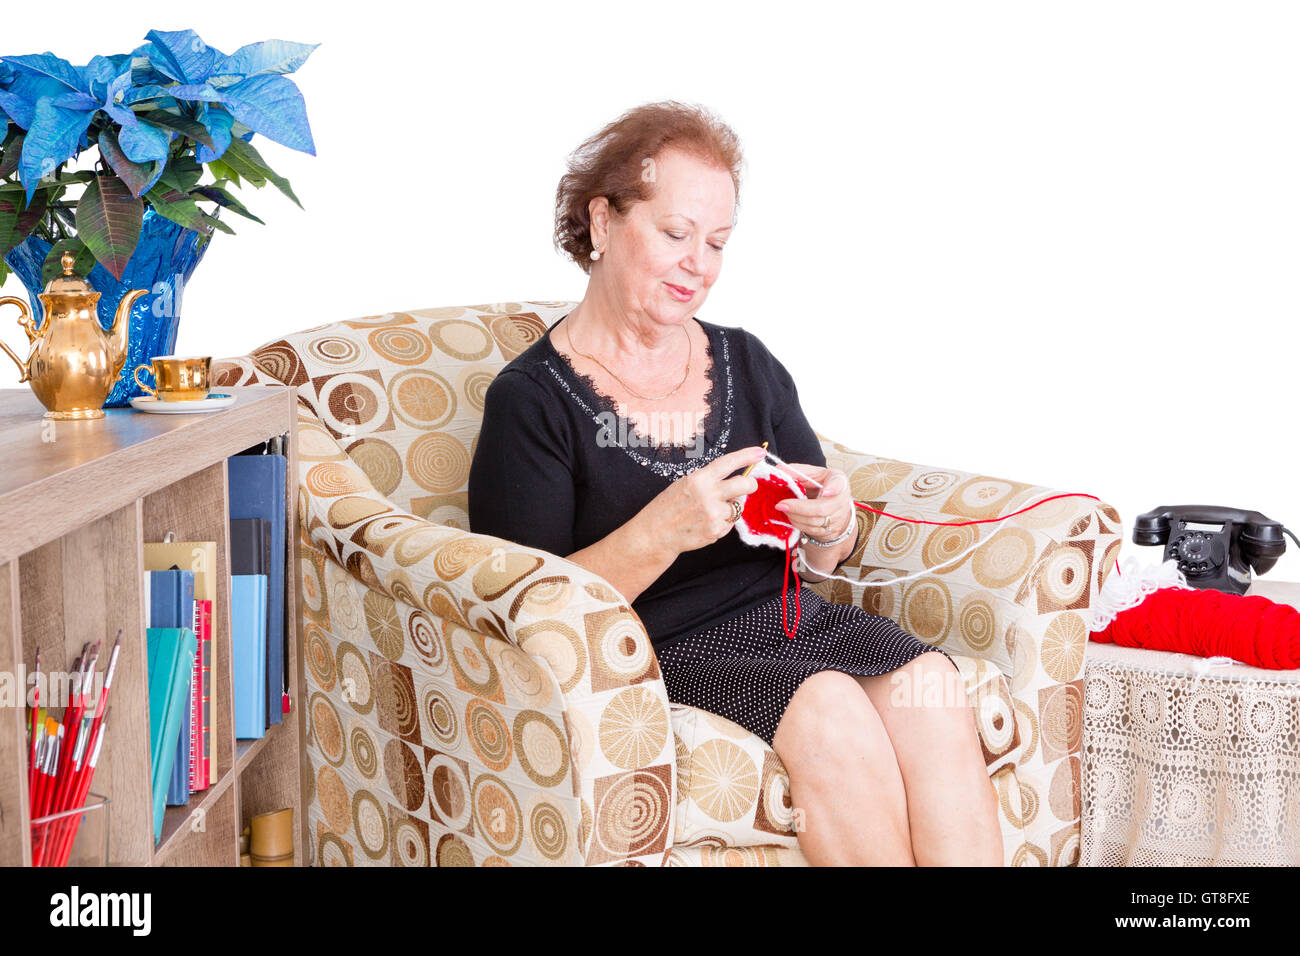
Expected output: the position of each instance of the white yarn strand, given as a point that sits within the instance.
(799, 559)
(1130, 586)
(792, 471)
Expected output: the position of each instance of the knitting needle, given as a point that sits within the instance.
(751, 467)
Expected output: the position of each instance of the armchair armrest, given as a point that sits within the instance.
(1051, 559)
(539, 709)
(1020, 600)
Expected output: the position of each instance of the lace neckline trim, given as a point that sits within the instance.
(669, 459)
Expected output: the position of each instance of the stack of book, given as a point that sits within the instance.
(180, 598)
(180, 593)
(257, 565)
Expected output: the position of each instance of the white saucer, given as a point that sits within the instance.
(214, 402)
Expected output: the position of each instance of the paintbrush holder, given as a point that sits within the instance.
(77, 837)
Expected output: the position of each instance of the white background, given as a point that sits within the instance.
(1051, 242)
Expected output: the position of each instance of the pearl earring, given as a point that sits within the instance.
(595, 254)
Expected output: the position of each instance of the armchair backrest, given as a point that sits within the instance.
(402, 392)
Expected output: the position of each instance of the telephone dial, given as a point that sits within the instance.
(1217, 557)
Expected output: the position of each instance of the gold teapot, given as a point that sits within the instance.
(73, 363)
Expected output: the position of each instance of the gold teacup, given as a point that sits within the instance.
(177, 379)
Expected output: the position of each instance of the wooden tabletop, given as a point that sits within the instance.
(57, 475)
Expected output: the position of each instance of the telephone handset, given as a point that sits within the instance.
(1220, 558)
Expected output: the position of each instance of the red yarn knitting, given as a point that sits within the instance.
(1251, 629)
(762, 518)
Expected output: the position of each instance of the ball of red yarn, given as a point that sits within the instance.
(1209, 623)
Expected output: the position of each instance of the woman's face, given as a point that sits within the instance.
(662, 257)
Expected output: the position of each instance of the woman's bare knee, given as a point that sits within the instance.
(839, 756)
(826, 708)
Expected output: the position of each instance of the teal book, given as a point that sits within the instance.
(171, 661)
(172, 596)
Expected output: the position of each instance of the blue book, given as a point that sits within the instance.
(257, 490)
(171, 595)
(248, 603)
(171, 663)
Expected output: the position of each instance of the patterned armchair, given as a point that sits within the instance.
(472, 701)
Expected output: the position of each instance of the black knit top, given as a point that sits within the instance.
(556, 468)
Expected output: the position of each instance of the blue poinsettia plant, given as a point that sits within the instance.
(172, 121)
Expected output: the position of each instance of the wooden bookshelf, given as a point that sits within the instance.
(77, 502)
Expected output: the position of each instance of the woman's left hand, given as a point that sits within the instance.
(832, 501)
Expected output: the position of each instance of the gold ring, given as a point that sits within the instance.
(736, 511)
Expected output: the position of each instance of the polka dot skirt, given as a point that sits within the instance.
(746, 669)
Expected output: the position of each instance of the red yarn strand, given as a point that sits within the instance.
(785, 577)
(958, 524)
(789, 555)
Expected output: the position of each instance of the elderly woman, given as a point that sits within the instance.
(620, 439)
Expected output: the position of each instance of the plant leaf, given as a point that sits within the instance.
(182, 174)
(65, 215)
(219, 169)
(218, 122)
(9, 234)
(180, 54)
(13, 148)
(214, 222)
(52, 140)
(33, 214)
(138, 176)
(243, 160)
(15, 225)
(272, 105)
(223, 198)
(64, 179)
(143, 142)
(177, 207)
(25, 89)
(247, 153)
(270, 56)
(49, 66)
(108, 222)
(203, 92)
(188, 127)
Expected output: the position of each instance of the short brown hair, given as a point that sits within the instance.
(609, 164)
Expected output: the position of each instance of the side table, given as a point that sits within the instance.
(1189, 763)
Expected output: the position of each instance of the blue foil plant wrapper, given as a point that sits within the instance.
(164, 259)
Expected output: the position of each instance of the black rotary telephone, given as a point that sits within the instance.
(1220, 558)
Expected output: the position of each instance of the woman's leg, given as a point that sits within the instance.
(952, 806)
(845, 784)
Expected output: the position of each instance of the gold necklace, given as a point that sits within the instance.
(685, 375)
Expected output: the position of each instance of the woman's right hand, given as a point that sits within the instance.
(695, 510)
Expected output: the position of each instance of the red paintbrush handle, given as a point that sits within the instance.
(37, 792)
(86, 775)
(47, 792)
(65, 799)
(69, 836)
(62, 826)
(38, 796)
(72, 718)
